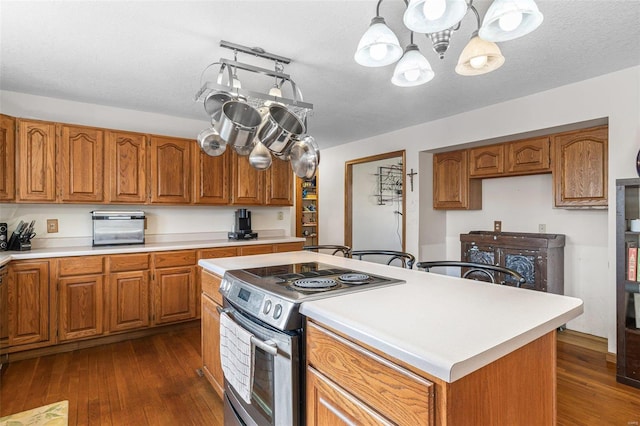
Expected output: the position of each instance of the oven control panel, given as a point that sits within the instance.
(269, 308)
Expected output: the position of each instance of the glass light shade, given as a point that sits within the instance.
(413, 69)
(275, 91)
(509, 19)
(416, 19)
(479, 57)
(379, 46)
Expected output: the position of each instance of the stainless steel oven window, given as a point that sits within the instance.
(275, 396)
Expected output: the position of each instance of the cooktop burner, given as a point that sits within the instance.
(314, 284)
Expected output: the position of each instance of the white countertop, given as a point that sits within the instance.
(445, 326)
(85, 250)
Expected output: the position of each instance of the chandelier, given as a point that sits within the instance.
(257, 124)
(439, 19)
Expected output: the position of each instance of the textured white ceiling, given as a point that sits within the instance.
(149, 56)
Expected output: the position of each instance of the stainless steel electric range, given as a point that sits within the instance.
(265, 302)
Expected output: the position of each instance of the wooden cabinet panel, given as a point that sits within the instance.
(175, 294)
(217, 252)
(28, 302)
(528, 156)
(128, 262)
(257, 249)
(282, 247)
(279, 181)
(369, 377)
(248, 183)
(329, 405)
(81, 171)
(210, 286)
(452, 188)
(128, 295)
(486, 160)
(7, 157)
(211, 363)
(36, 178)
(126, 165)
(174, 258)
(581, 168)
(4, 303)
(80, 265)
(81, 304)
(170, 170)
(211, 177)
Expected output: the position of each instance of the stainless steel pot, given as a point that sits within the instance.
(239, 123)
(304, 157)
(213, 103)
(280, 129)
(211, 142)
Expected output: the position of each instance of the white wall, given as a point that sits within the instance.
(374, 226)
(590, 268)
(75, 220)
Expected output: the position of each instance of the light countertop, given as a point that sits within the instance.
(87, 250)
(445, 326)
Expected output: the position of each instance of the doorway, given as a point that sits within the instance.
(375, 202)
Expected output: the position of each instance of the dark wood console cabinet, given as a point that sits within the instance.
(538, 257)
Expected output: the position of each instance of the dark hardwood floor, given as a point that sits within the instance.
(153, 381)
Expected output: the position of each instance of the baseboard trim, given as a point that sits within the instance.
(584, 340)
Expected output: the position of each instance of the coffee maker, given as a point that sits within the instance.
(242, 227)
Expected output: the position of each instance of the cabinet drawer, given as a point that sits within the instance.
(174, 258)
(259, 249)
(282, 247)
(81, 265)
(128, 262)
(217, 252)
(396, 393)
(210, 286)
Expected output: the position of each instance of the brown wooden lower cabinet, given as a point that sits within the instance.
(128, 294)
(174, 294)
(81, 307)
(211, 301)
(350, 383)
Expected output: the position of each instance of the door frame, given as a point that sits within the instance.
(348, 192)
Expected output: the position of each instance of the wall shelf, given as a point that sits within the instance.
(307, 209)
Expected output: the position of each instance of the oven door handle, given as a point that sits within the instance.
(269, 346)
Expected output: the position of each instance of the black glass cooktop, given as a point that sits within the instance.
(296, 271)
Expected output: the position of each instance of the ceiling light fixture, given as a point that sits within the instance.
(439, 19)
(254, 123)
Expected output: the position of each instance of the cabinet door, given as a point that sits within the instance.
(128, 295)
(211, 177)
(126, 164)
(36, 178)
(7, 157)
(329, 405)
(531, 264)
(174, 294)
(257, 249)
(28, 302)
(211, 364)
(81, 172)
(279, 181)
(248, 183)
(80, 305)
(170, 170)
(4, 303)
(528, 156)
(452, 188)
(486, 161)
(581, 168)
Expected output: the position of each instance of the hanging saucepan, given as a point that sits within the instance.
(213, 103)
(304, 158)
(238, 125)
(211, 142)
(280, 129)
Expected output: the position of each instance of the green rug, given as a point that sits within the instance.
(56, 414)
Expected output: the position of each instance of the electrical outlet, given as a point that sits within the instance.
(497, 226)
(52, 226)
(542, 228)
(280, 215)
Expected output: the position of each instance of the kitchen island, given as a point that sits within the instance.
(487, 351)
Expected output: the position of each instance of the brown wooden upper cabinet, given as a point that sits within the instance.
(279, 181)
(7, 157)
(452, 188)
(528, 156)
(81, 167)
(211, 176)
(486, 161)
(248, 183)
(170, 170)
(581, 168)
(126, 165)
(36, 176)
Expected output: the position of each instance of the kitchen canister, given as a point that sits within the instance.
(634, 225)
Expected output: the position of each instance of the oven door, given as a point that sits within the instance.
(275, 396)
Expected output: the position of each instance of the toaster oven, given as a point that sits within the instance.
(117, 227)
